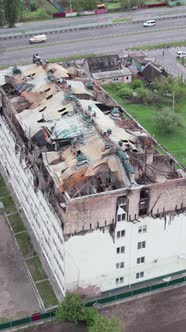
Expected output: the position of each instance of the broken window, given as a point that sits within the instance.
(141, 245)
(139, 275)
(120, 265)
(121, 233)
(142, 229)
(120, 250)
(141, 260)
(119, 280)
(144, 202)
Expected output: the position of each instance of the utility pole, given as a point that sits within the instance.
(71, 5)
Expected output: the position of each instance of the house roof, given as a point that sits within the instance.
(112, 74)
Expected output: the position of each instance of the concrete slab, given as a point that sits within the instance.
(17, 297)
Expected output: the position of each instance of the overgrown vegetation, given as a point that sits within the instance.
(159, 107)
(72, 309)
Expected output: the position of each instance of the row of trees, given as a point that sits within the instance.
(73, 310)
(10, 10)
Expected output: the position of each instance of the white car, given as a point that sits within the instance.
(38, 39)
(180, 54)
(149, 23)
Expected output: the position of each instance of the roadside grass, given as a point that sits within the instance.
(3, 189)
(9, 206)
(36, 269)
(73, 57)
(181, 61)
(25, 244)
(120, 20)
(46, 292)
(174, 141)
(16, 223)
(160, 45)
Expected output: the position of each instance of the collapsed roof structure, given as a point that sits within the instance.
(77, 137)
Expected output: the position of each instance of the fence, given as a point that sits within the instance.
(104, 300)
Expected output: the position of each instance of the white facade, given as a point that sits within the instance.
(140, 251)
(145, 250)
(44, 223)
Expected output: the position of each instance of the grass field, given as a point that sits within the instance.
(174, 142)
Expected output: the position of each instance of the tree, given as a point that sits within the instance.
(12, 11)
(72, 310)
(167, 120)
(1, 13)
(103, 324)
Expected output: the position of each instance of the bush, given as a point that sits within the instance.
(144, 95)
(125, 92)
(137, 84)
(103, 324)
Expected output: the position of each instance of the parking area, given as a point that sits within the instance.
(161, 312)
(17, 297)
(167, 57)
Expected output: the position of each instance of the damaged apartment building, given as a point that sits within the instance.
(104, 205)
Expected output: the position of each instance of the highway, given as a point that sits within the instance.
(134, 15)
(114, 38)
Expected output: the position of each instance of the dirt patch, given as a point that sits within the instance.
(59, 327)
(162, 312)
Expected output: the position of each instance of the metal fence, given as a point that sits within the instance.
(103, 300)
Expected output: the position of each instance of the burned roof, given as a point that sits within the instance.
(104, 63)
(86, 143)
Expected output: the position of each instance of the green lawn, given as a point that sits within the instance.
(9, 206)
(16, 223)
(174, 142)
(25, 244)
(3, 189)
(36, 269)
(47, 294)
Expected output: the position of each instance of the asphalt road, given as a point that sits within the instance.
(92, 41)
(142, 14)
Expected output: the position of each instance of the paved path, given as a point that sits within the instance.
(17, 297)
(168, 60)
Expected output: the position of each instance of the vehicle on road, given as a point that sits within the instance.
(181, 54)
(149, 23)
(38, 39)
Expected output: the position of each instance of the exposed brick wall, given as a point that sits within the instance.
(164, 197)
(91, 210)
